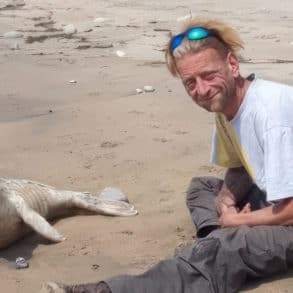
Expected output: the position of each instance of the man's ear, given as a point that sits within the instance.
(233, 64)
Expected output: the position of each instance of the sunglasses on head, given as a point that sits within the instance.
(192, 34)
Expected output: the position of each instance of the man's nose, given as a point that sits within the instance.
(202, 88)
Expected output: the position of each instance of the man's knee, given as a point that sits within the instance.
(274, 243)
(199, 186)
(266, 249)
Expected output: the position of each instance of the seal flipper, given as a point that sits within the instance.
(102, 206)
(32, 218)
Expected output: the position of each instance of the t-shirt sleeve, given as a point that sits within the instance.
(223, 152)
(278, 163)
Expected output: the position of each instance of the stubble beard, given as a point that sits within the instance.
(217, 104)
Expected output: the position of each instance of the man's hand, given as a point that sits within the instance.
(224, 200)
(230, 216)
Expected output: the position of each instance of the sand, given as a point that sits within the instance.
(99, 132)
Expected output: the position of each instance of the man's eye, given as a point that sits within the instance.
(190, 84)
(210, 76)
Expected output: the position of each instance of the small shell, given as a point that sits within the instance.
(148, 88)
(69, 29)
(139, 91)
(101, 19)
(21, 263)
(120, 53)
(72, 81)
(184, 18)
(13, 35)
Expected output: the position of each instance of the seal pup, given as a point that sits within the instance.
(26, 205)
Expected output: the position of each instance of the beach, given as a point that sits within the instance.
(71, 117)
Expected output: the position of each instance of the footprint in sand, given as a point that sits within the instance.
(162, 139)
(181, 132)
(110, 144)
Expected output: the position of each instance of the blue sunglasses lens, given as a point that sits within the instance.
(193, 34)
(197, 33)
(177, 40)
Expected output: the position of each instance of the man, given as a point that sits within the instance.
(244, 222)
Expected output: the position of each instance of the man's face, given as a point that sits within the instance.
(209, 78)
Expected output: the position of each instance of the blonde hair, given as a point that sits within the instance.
(225, 39)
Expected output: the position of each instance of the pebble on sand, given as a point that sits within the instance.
(148, 88)
(21, 263)
(70, 29)
(72, 81)
(13, 35)
(139, 91)
(99, 20)
(120, 53)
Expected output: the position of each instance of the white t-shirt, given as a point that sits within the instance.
(260, 138)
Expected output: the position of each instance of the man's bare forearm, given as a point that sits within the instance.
(279, 214)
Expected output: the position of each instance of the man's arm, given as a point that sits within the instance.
(278, 214)
(236, 186)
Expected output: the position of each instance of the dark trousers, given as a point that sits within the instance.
(220, 260)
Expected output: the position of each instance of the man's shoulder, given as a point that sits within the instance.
(270, 95)
(273, 101)
(266, 88)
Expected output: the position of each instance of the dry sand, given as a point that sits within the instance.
(98, 132)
